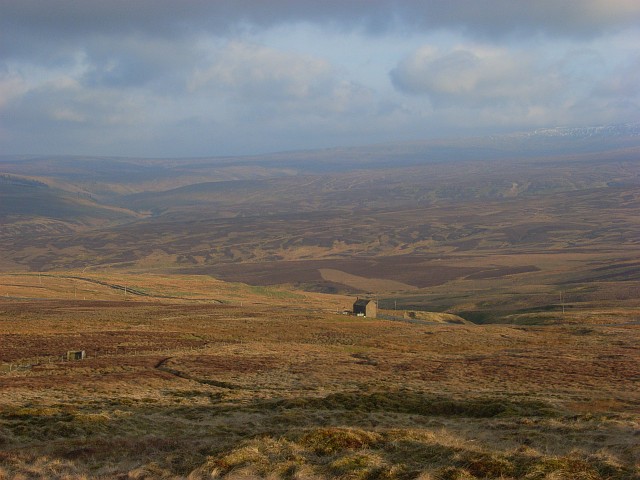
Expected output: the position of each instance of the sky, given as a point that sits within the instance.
(193, 78)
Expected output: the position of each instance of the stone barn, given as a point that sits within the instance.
(365, 307)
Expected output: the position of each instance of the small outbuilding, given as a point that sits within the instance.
(365, 308)
(76, 355)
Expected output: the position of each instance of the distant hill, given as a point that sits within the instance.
(24, 199)
(459, 222)
(131, 175)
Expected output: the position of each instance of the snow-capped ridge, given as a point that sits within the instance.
(618, 130)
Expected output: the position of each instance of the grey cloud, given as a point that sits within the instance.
(241, 88)
(136, 61)
(62, 111)
(156, 77)
(255, 72)
(266, 80)
(27, 23)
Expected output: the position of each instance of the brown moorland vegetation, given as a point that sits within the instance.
(469, 236)
(197, 389)
(508, 282)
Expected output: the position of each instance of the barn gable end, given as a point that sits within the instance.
(366, 307)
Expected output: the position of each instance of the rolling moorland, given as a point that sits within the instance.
(207, 295)
(474, 227)
(189, 377)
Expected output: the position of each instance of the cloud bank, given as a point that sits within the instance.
(165, 78)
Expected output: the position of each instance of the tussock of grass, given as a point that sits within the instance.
(483, 465)
(318, 453)
(351, 453)
(359, 466)
(327, 441)
(574, 466)
(32, 413)
(454, 473)
(278, 457)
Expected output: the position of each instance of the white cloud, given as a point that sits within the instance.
(509, 87)
(476, 76)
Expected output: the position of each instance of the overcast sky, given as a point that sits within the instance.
(162, 78)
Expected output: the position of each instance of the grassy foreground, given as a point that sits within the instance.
(204, 390)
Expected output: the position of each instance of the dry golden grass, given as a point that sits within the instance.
(118, 286)
(186, 389)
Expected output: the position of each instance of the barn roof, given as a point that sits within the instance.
(361, 302)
